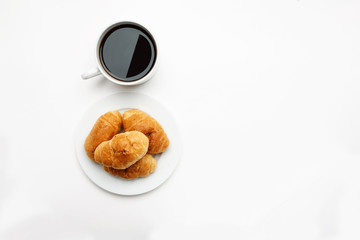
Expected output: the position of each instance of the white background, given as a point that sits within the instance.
(266, 94)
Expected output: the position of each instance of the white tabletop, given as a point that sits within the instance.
(266, 94)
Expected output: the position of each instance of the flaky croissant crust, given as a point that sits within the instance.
(105, 127)
(142, 168)
(138, 120)
(122, 150)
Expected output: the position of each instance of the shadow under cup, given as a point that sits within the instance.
(127, 52)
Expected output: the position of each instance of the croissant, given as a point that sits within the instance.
(123, 150)
(138, 120)
(142, 168)
(105, 127)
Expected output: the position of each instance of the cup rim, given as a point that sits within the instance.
(145, 78)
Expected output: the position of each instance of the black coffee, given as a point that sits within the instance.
(127, 52)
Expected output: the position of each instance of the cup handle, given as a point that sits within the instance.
(90, 74)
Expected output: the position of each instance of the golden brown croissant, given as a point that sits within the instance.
(105, 127)
(138, 120)
(123, 150)
(142, 168)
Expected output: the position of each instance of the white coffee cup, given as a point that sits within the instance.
(102, 68)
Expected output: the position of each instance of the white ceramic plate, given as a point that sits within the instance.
(166, 162)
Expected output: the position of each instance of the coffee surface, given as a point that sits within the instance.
(127, 53)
